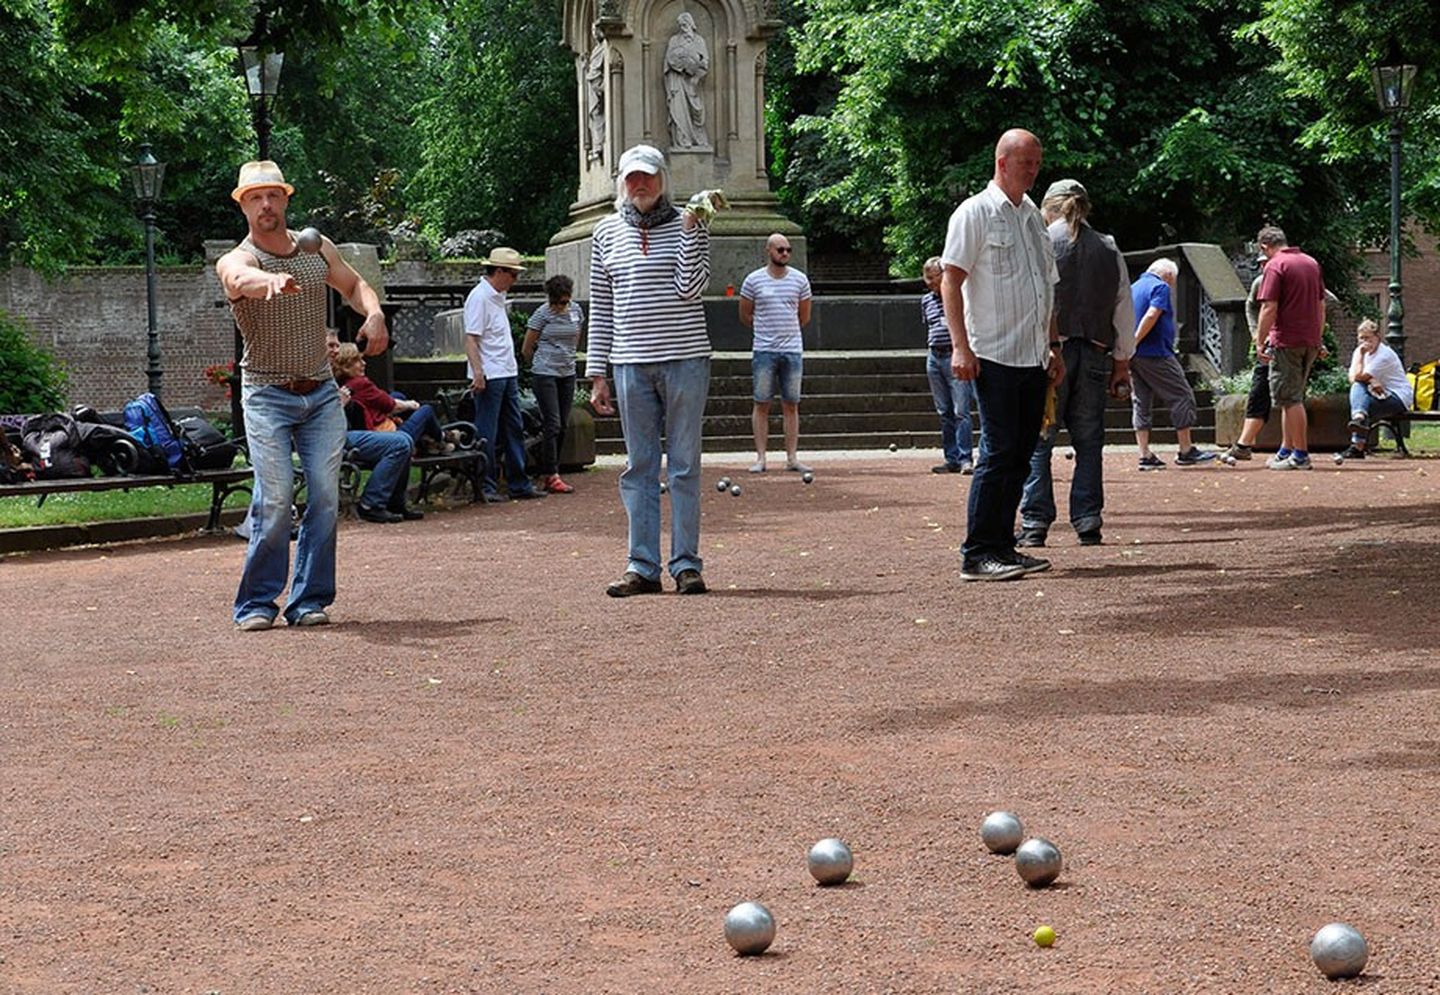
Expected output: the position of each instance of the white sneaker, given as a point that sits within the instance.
(1291, 463)
(1273, 463)
(795, 466)
(757, 467)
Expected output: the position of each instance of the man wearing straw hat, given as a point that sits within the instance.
(291, 403)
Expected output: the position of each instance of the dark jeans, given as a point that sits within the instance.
(1012, 405)
(498, 422)
(422, 423)
(1257, 403)
(555, 395)
(1080, 407)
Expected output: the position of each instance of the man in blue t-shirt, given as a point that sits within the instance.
(1155, 372)
(775, 302)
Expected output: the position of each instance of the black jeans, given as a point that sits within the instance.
(1257, 403)
(1012, 405)
(555, 395)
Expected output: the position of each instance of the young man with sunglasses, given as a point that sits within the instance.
(775, 302)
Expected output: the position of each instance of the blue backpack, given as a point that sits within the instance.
(151, 425)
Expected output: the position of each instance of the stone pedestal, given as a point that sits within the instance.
(687, 76)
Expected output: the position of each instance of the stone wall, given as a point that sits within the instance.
(93, 320)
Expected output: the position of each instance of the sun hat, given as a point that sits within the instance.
(504, 257)
(641, 159)
(260, 173)
(1066, 188)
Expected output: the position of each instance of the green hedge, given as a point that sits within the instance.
(31, 379)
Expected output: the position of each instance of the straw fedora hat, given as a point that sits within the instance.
(260, 173)
(504, 257)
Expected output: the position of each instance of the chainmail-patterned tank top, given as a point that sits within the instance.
(285, 336)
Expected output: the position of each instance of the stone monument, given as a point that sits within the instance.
(687, 76)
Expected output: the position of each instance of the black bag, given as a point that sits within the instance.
(208, 449)
(52, 445)
(117, 453)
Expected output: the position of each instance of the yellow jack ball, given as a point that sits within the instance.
(1044, 936)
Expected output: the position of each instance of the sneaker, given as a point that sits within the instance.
(554, 485)
(690, 582)
(1291, 463)
(491, 497)
(309, 619)
(528, 495)
(1031, 538)
(946, 468)
(1352, 452)
(1238, 453)
(1359, 421)
(990, 567)
(1193, 457)
(255, 623)
(1029, 564)
(382, 515)
(632, 584)
(1090, 537)
(967, 468)
(1151, 462)
(758, 466)
(1274, 461)
(795, 466)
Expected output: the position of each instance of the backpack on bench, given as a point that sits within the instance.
(53, 446)
(152, 426)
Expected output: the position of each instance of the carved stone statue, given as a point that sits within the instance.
(687, 61)
(595, 95)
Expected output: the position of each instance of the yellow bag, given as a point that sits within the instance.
(1423, 381)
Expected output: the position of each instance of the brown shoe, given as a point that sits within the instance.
(690, 582)
(632, 584)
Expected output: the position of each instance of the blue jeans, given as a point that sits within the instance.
(953, 400)
(668, 398)
(1374, 407)
(1012, 405)
(777, 371)
(1080, 405)
(498, 422)
(388, 456)
(278, 422)
(422, 423)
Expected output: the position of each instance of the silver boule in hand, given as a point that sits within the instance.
(308, 240)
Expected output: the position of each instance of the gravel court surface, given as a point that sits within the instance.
(489, 777)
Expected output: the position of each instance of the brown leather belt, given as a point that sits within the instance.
(299, 386)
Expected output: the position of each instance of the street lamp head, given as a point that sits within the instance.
(1394, 81)
(147, 175)
(262, 71)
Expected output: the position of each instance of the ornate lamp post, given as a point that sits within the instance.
(147, 175)
(261, 67)
(1393, 85)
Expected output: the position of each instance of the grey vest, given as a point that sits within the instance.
(1089, 282)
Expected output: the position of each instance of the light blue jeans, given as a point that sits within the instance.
(953, 400)
(277, 423)
(669, 399)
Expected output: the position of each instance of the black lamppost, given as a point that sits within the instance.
(1393, 85)
(261, 67)
(147, 175)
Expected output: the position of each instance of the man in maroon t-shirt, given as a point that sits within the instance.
(1292, 318)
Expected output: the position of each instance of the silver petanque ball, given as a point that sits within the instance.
(308, 240)
(830, 861)
(664, 487)
(1001, 832)
(894, 447)
(1339, 951)
(735, 490)
(1038, 861)
(808, 477)
(722, 485)
(749, 928)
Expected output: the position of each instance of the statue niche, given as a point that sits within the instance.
(687, 63)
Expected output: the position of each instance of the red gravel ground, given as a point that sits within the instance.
(488, 777)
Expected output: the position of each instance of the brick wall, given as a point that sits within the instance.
(1420, 281)
(93, 320)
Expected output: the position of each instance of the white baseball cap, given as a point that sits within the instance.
(641, 159)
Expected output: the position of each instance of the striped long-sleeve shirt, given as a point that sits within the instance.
(645, 289)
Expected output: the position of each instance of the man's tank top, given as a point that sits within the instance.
(285, 336)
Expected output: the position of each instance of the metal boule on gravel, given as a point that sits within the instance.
(808, 477)
(664, 487)
(830, 861)
(735, 490)
(1037, 861)
(749, 928)
(1339, 951)
(1001, 832)
(308, 240)
(722, 485)
(894, 448)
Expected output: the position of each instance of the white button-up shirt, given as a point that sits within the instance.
(1009, 289)
(487, 317)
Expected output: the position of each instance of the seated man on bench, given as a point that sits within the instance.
(388, 453)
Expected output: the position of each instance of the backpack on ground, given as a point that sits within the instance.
(151, 425)
(209, 449)
(52, 445)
